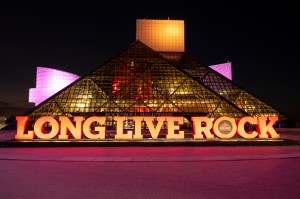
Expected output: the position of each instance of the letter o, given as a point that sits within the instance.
(39, 127)
(224, 127)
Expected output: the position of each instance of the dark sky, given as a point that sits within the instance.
(259, 38)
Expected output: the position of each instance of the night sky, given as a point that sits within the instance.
(259, 38)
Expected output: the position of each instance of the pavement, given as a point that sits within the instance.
(152, 172)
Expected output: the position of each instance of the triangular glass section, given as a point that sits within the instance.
(226, 88)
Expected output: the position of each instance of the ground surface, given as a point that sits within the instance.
(151, 172)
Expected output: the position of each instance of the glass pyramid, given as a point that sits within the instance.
(140, 79)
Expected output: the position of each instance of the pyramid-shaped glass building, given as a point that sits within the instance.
(152, 76)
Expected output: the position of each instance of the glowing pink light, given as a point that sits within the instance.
(223, 69)
(48, 82)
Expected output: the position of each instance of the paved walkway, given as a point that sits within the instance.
(149, 154)
(269, 172)
(170, 176)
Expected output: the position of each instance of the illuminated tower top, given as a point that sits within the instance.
(161, 35)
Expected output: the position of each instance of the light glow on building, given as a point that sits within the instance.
(161, 35)
(48, 82)
(224, 69)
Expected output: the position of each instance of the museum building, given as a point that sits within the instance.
(154, 76)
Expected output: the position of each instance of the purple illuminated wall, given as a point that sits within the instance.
(223, 69)
(48, 82)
